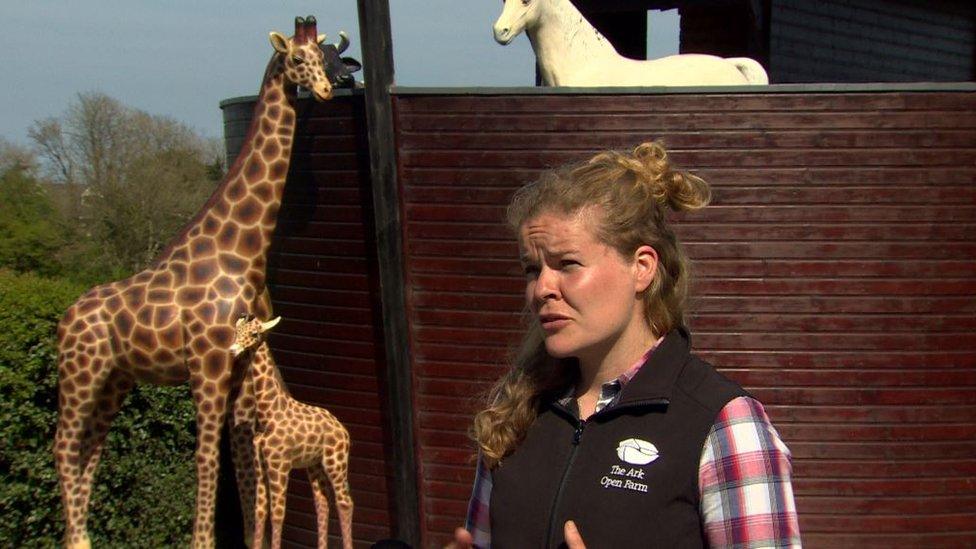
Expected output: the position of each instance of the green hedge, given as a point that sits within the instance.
(145, 485)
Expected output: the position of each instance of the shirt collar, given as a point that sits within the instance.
(610, 390)
(656, 381)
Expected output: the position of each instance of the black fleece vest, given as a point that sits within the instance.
(628, 475)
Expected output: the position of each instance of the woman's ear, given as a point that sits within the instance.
(645, 267)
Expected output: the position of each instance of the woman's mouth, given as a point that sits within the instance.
(551, 323)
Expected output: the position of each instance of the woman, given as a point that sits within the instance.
(607, 432)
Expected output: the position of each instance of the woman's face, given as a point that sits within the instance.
(584, 294)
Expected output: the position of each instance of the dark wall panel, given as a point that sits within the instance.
(321, 273)
(835, 275)
(872, 41)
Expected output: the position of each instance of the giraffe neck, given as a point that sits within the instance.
(270, 391)
(240, 217)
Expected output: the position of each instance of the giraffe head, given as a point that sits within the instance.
(249, 333)
(302, 58)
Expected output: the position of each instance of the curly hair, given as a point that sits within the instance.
(629, 192)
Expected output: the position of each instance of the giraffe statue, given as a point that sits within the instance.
(173, 321)
(292, 434)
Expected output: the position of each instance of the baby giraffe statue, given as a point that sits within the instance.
(291, 434)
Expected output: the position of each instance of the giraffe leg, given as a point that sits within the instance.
(318, 480)
(107, 405)
(260, 496)
(74, 442)
(242, 451)
(277, 473)
(68, 442)
(210, 396)
(336, 464)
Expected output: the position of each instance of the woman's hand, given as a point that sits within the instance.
(572, 534)
(462, 540)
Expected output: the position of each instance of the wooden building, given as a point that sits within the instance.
(835, 269)
(804, 41)
(835, 279)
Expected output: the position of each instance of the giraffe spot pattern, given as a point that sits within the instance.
(249, 242)
(144, 315)
(164, 315)
(248, 211)
(189, 295)
(232, 264)
(211, 225)
(254, 169)
(278, 169)
(227, 237)
(159, 296)
(202, 247)
(202, 271)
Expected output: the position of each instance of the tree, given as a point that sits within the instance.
(141, 176)
(14, 156)
(30, 232)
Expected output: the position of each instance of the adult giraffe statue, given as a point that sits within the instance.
(571, 52)
(174, 321)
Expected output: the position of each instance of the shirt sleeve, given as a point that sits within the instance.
(744, 481)
(479, 521)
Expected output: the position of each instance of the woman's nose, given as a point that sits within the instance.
(546, 286)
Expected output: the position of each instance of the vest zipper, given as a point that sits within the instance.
(577, 435)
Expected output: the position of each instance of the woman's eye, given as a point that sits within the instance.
(569, 263)
(531, 271)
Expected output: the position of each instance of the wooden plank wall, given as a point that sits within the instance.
(322, 271)
(871, 41)
(836, 274)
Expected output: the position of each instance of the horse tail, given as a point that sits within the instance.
(751, 69)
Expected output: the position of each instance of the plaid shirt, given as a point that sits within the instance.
(743, 478)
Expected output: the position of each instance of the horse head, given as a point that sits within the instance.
(517, 16)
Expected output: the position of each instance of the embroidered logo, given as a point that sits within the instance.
(636, 451)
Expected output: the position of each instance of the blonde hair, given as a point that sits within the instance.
(629, 193)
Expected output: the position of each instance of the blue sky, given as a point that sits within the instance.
(181, 57)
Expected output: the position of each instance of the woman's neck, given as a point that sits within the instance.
(602, 365)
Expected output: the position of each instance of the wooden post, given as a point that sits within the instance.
(377, 48)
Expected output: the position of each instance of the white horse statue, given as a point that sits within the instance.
(570, 52)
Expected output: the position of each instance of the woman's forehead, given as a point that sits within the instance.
(557, 232)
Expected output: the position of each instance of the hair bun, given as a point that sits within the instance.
(678, 189)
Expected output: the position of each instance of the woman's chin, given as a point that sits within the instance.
(559, 349)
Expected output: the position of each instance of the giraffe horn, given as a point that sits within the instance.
(300, 35)
(343, 42)
(311, 28)
(265, 326)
